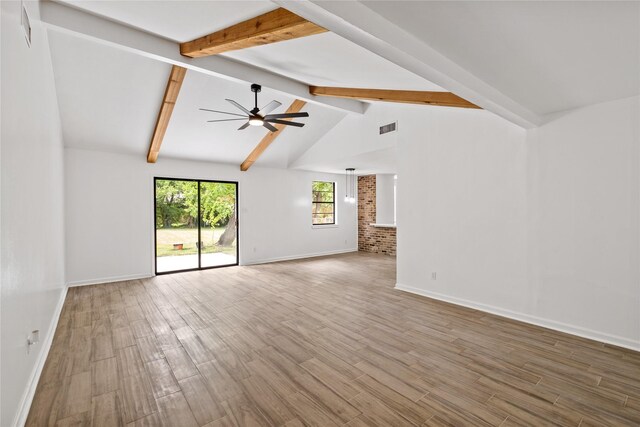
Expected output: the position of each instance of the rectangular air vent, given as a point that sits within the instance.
(391, 127)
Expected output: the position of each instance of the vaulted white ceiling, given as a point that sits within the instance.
(548, 56)
(525, 61)
(179, 21)
(189, 135)
(110, 99)
(329, 60)
(106, 106)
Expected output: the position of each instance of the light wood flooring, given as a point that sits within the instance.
(316, 342)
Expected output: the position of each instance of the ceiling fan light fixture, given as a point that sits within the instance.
(261, 117)
(256, 121)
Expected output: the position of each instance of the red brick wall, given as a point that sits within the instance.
(372, 239)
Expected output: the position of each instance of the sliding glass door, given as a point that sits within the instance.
(196, 224)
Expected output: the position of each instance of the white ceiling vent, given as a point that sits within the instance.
(26, 25)
(391, 127)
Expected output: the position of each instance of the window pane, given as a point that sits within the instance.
(218, 233)
(323, 208)
(176, 225)
(323, 219)
(323, 196)
(322, 186)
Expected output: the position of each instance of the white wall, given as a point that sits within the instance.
(385, 198)
(32, 221)
(356, 142)
(584, 182)
(109, 213)
(462, 207)
(540, 226)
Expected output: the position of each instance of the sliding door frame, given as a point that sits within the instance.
(155, 227)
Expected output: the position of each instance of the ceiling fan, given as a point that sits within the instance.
(260, 117)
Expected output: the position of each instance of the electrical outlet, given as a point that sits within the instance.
(33, 338)
(433, 275)
(254, 249)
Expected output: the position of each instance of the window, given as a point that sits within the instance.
(323, 212)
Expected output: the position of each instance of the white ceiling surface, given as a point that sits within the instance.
(108, 98)
(109, 101)
(320, 60)
(189, 135)
(179, 21)
(547, 56)
(329, 60)
(355, 142)
(366, 163)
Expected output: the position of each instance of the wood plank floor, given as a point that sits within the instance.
(317, 342)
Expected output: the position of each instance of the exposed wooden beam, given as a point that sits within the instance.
(295, 107)
(271, 27)
(168, 102)
(444, 99)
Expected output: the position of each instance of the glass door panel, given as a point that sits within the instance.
(176, 225)
(218, 224)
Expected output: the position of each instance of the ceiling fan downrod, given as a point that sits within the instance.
(255, 88)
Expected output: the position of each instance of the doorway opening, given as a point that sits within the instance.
(196, 224)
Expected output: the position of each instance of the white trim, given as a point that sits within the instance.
(321, 226)
(108, 280)
(289, 258)
(373, 224)
(27, 397)
(527, 318)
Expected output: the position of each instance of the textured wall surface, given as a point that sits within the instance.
(380, 240)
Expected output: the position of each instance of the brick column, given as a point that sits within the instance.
(372, 239)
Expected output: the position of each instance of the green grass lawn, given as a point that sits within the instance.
(167, 237)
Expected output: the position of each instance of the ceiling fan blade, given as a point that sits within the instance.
(270, 127)
(244, 126)
(285, 122)
(269, 107)
(286, 115)
(240, 107)
(223, 112)
(225, 120)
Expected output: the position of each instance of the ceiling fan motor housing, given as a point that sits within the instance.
(261, 117)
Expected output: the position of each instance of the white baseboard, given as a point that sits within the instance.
(27, 397)
(292, 257)
(108, 280)
(527, 318)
